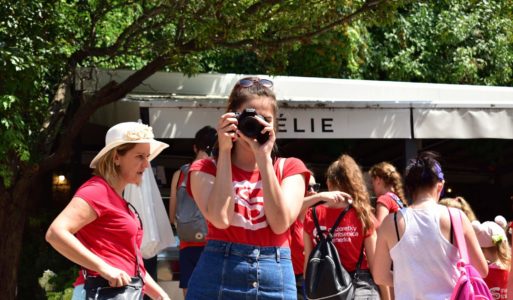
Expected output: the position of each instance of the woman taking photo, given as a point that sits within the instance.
(417, 239)
(97, 229)
(249, 199)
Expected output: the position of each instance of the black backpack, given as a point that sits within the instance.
(325, 277)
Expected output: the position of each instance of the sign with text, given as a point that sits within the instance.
(305, 123)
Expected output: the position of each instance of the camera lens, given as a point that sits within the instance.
(250, 127)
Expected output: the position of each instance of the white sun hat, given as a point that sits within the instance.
(129, 132)
(489, 233)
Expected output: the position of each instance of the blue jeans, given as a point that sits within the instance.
(238, 271)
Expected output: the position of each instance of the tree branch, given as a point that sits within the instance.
(366, 7)
(109, 93)
(82, 54)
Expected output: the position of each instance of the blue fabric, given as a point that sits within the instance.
(79, 293)
(188, 259)
(237, 271)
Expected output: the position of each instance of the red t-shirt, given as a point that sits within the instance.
(389, 202)
(116, 234)
(348, 237)
(297, 247)
(249, 224)
(497, 281)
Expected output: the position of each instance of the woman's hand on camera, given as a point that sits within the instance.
(265, 148)
(227, 131)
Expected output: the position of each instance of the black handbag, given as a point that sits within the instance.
(98, 288)
(325, 276)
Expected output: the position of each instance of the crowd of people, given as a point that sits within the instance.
(256, 208)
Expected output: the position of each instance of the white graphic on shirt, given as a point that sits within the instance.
(345, 234)
(342, 234)
(249, 205)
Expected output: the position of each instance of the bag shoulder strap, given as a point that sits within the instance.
(183, 172)
(396, 229)
(137, 259)
(456, 224)
(337, 221)
(360, 259)
(331, 231)
(396, 199)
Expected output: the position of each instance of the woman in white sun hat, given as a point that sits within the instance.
(494, 243)
(98, 229)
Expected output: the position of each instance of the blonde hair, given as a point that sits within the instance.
(346, 175)
(106, 167)
(504, 253)
(460, 203)
(388, 173)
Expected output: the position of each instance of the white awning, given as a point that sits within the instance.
(322, 108)
(463, 123)
(307, 123)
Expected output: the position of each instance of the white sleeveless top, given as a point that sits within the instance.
(424, 261)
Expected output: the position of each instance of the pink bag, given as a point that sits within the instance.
(470, 285)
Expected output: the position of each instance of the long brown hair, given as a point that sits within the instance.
(346, 175)
(388, 173)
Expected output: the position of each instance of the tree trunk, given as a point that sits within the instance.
(13, 203)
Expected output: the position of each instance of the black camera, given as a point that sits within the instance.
(249, 125)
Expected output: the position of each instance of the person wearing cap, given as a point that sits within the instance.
(494, 243)
(98, 230)
(248, 202)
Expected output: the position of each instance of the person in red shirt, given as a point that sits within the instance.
(297, 246)
(494, 243)
(249, 198)
(388, 188)
(296, 239)
(356, 231)
(98, 230)
(190, 251)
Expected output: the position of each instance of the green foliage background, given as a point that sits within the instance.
(43, 42)
(451, 41)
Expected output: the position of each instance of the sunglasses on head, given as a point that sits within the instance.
(314, 187)
(247, 82)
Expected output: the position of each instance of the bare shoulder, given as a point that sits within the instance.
(388, 224)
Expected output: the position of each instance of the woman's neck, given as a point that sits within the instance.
(118, 186)
(386, 189)
(201, 155)
(423, 199)
(243, 158)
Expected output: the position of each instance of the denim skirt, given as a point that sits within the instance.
(239, 271)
